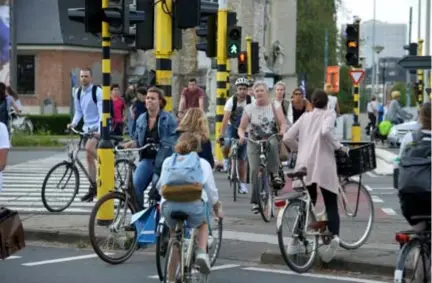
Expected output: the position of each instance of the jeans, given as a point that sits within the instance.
(331, 206)
(253, 154)
(142, 179)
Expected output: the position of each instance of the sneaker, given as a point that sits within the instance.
(328, 252)
(203, 262)
(89, 196)
(255, 208)
(294, 246)
(243, 189)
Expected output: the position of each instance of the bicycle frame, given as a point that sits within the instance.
(234, 158)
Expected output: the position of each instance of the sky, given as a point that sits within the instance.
(392, 11)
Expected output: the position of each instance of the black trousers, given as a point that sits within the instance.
(372, 120)
(331, 206)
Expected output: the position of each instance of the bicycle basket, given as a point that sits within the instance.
(361, 159)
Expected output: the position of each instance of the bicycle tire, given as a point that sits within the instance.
(159, 253)
(366, 234)
(74, 171)
(118, 175)
(93, 241)
(399, 273)
(234, 182)
(261, 208)
(282, 245)
(215, 254)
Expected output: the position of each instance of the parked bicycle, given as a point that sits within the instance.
(266, 193)
(416, 246)
(62, 173)
(299, 205)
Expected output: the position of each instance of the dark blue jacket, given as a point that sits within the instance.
(206, 151)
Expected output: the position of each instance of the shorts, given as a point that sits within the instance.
(231, 133)
(197, 212)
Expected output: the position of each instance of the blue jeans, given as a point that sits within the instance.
(231, 133)
(142, 179)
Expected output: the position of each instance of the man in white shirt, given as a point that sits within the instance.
(89, 107)
(4, 149)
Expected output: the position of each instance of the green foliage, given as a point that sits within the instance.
(50, 124)
(345, 97)
(34, 141)
(314, 18)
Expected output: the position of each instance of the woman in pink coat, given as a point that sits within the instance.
(312, 136)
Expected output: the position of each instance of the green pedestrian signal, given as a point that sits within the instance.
(234, 41)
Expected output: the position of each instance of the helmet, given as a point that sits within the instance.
(242, 81)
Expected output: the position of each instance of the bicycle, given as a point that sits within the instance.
(70, 168)
(420, 243)
(305, 213)
(233, 170)
(123, 199)
(186, 248)
(265, 193)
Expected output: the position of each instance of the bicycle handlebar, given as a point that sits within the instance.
(120, 148)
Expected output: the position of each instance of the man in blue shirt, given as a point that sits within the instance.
(91, 112)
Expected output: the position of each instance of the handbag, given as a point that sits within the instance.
(283, 150)
(11, 233)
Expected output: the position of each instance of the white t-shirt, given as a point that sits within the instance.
(332, 101)
(239, 109)
(262, 121)
(372, 106)
(4, 143)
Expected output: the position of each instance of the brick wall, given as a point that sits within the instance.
(53, 71)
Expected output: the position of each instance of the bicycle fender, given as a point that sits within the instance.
(280, 216)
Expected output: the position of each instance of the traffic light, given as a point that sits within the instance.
(118, 14)
(242, 62)
(207, 31)
(144, 35)
(234, 41)
(255, 67)
(352, 42)
(412, 51)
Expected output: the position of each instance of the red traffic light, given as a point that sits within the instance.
(242, 57)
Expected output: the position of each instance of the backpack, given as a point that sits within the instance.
(94, 90)
(182, 178)
(415, 165)
(4, 112)
(248, 101)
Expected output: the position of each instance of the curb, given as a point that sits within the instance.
(340, 264)
(37, 148)
(55, 236)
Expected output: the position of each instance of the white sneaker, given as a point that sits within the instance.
(328, 252)
(294, 246)
(203, 262)
(225, 165)
(243, 188)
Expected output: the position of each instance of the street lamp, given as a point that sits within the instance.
(377, 49)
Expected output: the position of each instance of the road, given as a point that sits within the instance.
(36, 264)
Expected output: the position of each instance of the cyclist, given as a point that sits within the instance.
(154, 126)
(395, 114)
(196, 210)
(280, 96)
(312, 135)
(260, 119)
(91, 112)
(233, 112)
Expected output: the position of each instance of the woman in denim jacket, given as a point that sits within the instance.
(154, 126)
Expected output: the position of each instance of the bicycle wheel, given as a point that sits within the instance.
(127, 242)
(297, 239)
(420, 270)
(360, 198)
(234, 182)
(180, 274)
(122, 167)
(215, 240)
(264, 197)
(162, 241)
(48, 190)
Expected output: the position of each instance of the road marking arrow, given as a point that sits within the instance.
(356, 76)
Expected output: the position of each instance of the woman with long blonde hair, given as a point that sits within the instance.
(195, 121)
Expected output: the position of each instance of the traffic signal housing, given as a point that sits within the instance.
(207, 30)
(242, 62)
(255, 67)
(144, 35)
(412, 51)
(352, 43)
(234, 41)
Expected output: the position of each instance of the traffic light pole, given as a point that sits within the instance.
(228, 71)
(105, 151)
(221, 75)
(420, 76)
(163, 50)
(356, 129)
(249, 57)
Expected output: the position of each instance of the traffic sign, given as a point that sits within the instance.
(233, 50)
(356, 76)
(415, 62)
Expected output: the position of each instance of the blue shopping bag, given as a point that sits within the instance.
(145, 223)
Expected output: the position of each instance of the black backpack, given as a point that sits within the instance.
(248, 101)
(94, 90)
(415, 165)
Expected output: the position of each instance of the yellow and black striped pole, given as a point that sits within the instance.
(221, 75)
(356, 129)
(249, 56)
(163, 50)
(228, 71)
(105, 182)
(420, 76)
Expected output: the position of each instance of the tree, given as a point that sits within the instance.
(314, 18)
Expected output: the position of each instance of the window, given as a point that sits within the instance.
(26, 73)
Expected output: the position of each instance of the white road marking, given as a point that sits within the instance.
(389, 211)
(376, 199)
(14, 257)
(368, 188)
(72, 258)
(214, 268)
(320, 276)
(370, 174)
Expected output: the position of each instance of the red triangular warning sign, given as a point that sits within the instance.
(356, 76)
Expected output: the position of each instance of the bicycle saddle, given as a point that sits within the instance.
(179, 215)
(298, 174)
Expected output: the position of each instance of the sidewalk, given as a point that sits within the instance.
(241, 242)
